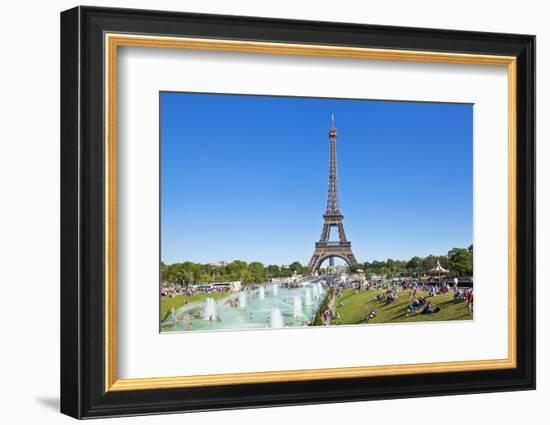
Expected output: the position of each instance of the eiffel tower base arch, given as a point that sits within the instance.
(324, 251)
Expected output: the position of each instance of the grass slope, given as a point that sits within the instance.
(357, 305)
(167, 303)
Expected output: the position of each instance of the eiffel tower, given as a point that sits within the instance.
(333, 217)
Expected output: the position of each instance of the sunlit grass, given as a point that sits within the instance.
(167, 303)
(358, 304)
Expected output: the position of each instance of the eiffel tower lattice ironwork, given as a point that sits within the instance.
(325, 248)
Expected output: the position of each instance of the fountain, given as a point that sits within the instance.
(307, 297)
(253, 309)
(315, 291)
(210, 311)
(297, 306)
(320, 288)
(276, 318)
(242, 300)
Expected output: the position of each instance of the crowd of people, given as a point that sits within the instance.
(422, 304)
(419, 293)
(173, 289)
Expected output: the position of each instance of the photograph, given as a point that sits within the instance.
(285, 212)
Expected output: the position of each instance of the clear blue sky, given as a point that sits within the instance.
(245, 177)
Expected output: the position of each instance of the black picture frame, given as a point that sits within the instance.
(83, 392)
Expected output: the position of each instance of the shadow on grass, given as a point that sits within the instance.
(394, 306)
(443, 304)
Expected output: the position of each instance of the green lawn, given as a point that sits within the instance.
(167, 303)
(357, 305)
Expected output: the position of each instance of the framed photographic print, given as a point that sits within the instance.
(261, 212)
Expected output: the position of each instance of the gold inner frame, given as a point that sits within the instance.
(113, 41)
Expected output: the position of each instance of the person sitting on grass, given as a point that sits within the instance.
(379, 297)
(371, 315)
(431, 292)
(390, 299)
(427, 308)
(460, 296)
(413, 306)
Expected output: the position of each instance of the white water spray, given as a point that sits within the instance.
(307, 297)
(242, 299)
(297, 306)
(276, 318)
(210, 311)
(320, 288)
(315, 291)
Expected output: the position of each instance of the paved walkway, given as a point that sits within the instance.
(331, 308)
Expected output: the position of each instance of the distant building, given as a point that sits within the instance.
(219, 264)
(284, 280)
(357, 277)
(234, 286)
(281, 280)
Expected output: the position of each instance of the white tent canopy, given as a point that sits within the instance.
(439, 269)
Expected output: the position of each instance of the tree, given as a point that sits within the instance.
(461, 261)
(188, 276)
(353, 268)
(236, 268)
(273, 271)
(297, 267)
(413, 264)
(458, 260)
(246, 276)
(257, 271)
(390, 264)
(428, 262)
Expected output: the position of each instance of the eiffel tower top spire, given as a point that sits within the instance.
(333, 206)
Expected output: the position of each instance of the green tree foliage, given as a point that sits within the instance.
(459, 261)
(413, 264)
(297, 267)
(255, 272)
(273, 270)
